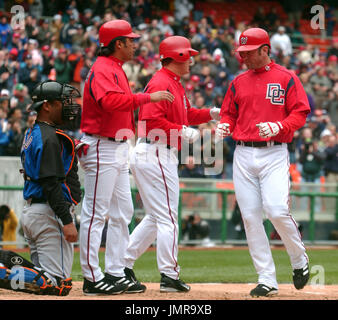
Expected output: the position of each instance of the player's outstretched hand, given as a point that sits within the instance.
(161, 95)
(81, 148)
(190, 134)
(222, 131)
(70, 232)
(215, 113)
(269, 129)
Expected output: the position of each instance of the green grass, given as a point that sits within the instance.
(226, 266)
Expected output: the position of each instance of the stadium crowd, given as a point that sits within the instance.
(63, 47)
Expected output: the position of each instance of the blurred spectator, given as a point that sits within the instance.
(30, 120)
(15, 114)
(45, 33)
(63, 67)
(4, 131)
(48, 62)
(17, 136)
(36, 8)
(281, 43)
(259, 18)
(8, 225)
(312, 161)
(190, 169)
(4, 72)
(305, 80)
(321, 85)
(333, 50)
(209, 94)
(324, 138)
(4, 100)
(56, 31)
(29, 74)
(182, 9)
(20, 98)
(68, 31)
(5, 31)
(31, 27)
(195, 228)
(331, 169)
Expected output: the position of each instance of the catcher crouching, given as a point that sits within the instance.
(51, 190)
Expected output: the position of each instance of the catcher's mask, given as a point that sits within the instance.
(52, 90)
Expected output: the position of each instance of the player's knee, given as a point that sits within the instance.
(251, 217)
(276, 212)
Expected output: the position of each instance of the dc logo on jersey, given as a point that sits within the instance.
(275, 93)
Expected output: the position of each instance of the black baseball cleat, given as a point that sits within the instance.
(107, 286)
(263, 290)
(300, 277)
(172, 285)
(136, 287)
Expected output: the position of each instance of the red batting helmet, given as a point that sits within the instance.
(177, 48)
(252, 39)
(113, 29)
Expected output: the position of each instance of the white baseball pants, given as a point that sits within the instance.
(154, 168)
(107, 196)
(262, 183)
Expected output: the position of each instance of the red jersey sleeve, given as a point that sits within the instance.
(111, 96)
(197, 116)
(297, 106)
(229, 109)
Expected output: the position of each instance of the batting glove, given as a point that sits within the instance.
(81, 148)
(214, 113)
(269, 129)
(190, 134)
(222, 131)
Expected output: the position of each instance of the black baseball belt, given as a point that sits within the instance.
(258, 144)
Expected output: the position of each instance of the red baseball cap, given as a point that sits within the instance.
(195, 78)
(332, 58)
(14, 51)
(252, 39)
(189, 87)
(113, 29)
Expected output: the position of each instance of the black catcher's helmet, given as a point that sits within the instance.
(52, 90)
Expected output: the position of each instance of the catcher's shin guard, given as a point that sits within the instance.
(32, 281)
(4, 281)
(19, 274)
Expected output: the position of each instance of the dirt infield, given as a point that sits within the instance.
(213, 291)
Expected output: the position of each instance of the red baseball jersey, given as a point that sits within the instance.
(108, 102)
(269, 94)
(168, 116)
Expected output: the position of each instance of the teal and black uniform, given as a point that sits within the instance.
(50, 169)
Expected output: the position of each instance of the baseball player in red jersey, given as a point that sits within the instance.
(262, 109)
(154, 161)
(107, 123)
